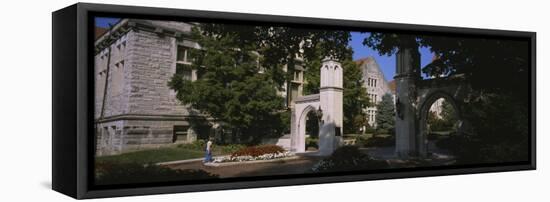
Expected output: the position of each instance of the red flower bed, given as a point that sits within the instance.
(258, 150)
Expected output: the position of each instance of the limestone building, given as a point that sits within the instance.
(134, 107)
(376, 85)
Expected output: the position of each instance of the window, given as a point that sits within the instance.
(180, 134)
(185, 71)
(120, 64)
(182, 55)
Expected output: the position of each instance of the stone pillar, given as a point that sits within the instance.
(293, 130)
(407, 74)
(331, 104)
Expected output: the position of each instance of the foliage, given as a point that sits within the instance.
(435, 123)
(131, 173)
(446, 122)
(200, 145)
(348, 158)
(355, 97)
(380, 141)
(370, 130)
(385, 115)
(312, 143)
(312, 124)
(361, 140)
(231, 148)
(448, 114)
(476, 58)
(255, 151)
(229, 87)
(281, 45)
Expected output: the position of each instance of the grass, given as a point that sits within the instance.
(152, 156)
(172, 153)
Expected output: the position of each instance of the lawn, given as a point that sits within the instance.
(153, 156)
(172, 153)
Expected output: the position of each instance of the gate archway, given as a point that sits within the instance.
(422, 136)
(328, 105)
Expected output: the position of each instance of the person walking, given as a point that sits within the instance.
(208, 155)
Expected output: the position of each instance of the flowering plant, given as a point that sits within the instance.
(263, 152)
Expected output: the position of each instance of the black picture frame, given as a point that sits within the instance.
(72, 127)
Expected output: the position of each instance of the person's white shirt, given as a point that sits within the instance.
(208, 145)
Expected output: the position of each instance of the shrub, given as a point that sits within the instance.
(255, 151)
(361, 140)
(196, 145)
(231, 148)
(380, 141)
(370, 130)
(348, 158)
(312, 143)
(127, 173)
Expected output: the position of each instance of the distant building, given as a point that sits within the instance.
(376, 85)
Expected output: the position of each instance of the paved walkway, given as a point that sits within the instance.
(295, 166)
(305, 162)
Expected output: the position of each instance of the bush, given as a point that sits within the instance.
(378, 141)
(348, 158)
(196, 145)
(200, 145)
(370, 130)
(130, 173)
(312, 143)
(231, 148)
(258, 150)
(361, 140)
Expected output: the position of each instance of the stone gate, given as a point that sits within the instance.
(328, 107)
(414, 98)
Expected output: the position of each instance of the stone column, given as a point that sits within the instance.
(293, 130)
(407, 75)
(331, 104)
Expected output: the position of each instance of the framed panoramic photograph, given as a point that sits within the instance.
(155, 100)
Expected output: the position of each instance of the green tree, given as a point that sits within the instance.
(385, 114)
(229, 87)
(355, 97)
(448, 115)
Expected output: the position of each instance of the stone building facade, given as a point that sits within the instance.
(376, 85)
(134, 107)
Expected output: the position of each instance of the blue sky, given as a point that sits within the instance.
(387, 63)
(104, 22)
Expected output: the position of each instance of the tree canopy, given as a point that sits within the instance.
(229, 87)
(477, 58)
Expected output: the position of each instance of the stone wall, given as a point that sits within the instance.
(153, 65)
(140, 110)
